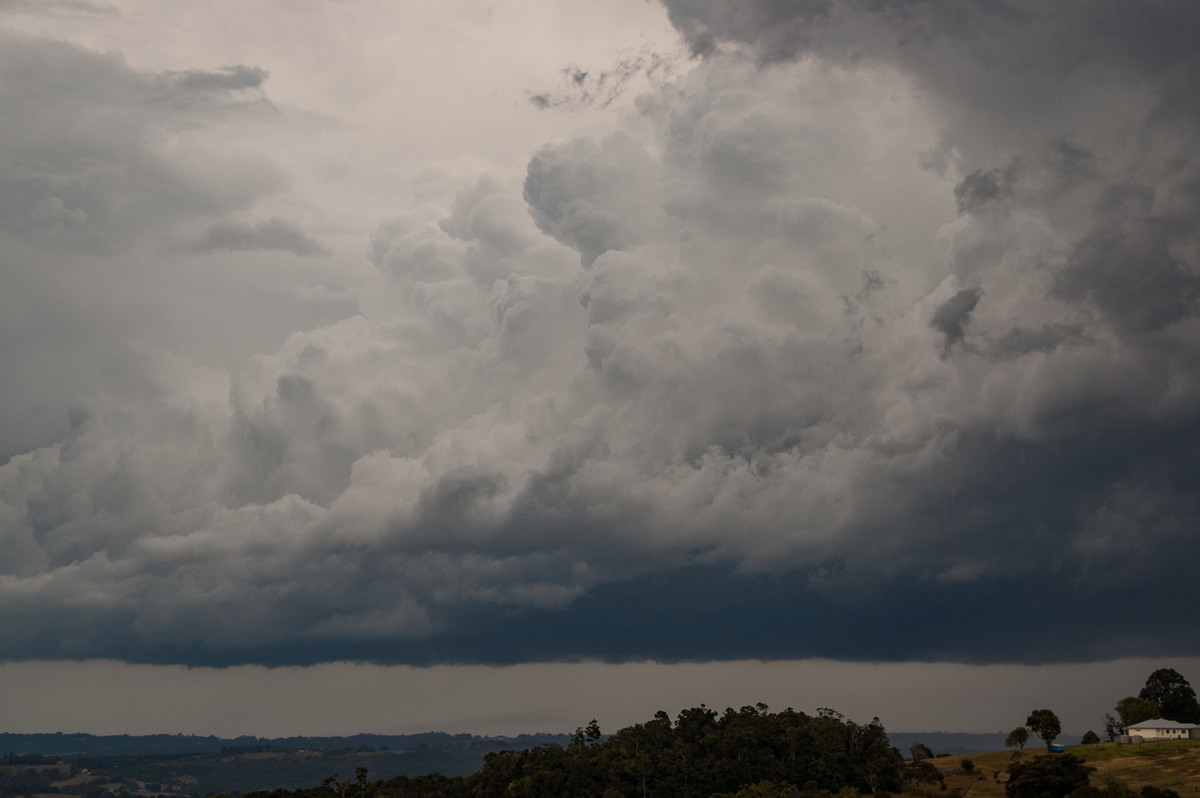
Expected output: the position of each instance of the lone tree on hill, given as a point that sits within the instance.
(1044, 724)
(1017, 738)
(1174, 697)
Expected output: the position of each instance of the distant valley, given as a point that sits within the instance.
(182, 765)
(177, 765)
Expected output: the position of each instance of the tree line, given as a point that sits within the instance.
(701, 753)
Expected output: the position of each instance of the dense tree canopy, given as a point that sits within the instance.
(1174, 697)
(746, 752)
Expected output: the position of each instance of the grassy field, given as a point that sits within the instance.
(1173, 765)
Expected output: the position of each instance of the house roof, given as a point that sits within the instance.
(1160, 723)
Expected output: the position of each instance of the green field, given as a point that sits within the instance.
(1172, 765)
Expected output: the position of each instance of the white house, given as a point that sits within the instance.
(1159, 729)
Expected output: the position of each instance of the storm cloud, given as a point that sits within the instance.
(879, 313)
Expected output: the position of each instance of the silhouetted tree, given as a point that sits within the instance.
(1175, 698)
(1045, 724)
(1113, 727)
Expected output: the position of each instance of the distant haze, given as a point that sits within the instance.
(340, 698)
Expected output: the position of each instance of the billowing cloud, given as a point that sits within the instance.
(879, 314)
(99, 155)
(594, 196)
(106, 174)
(951, 317)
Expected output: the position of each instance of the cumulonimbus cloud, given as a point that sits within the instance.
(838, 338)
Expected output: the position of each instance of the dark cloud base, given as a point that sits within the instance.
(713, 613)
(705, 613)
(1055, 606)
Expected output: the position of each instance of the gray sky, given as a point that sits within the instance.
(341, 698)
(488, 337)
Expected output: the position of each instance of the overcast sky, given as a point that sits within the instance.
(573, 350)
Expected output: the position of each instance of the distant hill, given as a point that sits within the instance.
(185, 765)
(58, 744)
(178, 766)
(78, 744)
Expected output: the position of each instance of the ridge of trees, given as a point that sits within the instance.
(749, 751)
